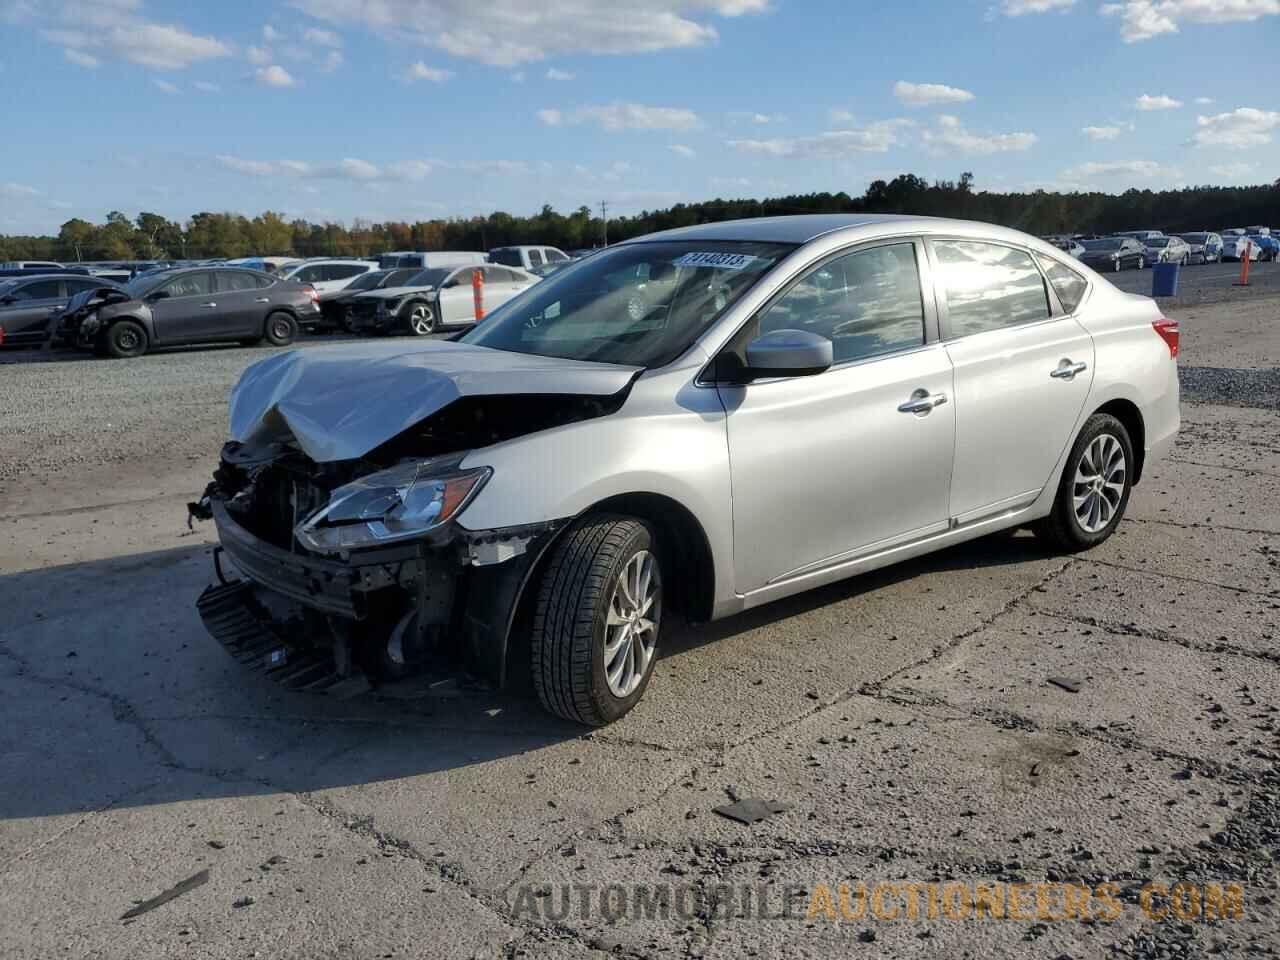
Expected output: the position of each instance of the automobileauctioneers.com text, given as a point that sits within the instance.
(888, 901)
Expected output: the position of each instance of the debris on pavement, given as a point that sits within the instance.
(177, 890)
(750, 810)
(1066, 683)
(242, 902)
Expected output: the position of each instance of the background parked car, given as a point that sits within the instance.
(28, 264)
(1235, 245)
(326, 276)
(1205, 247)
(433, 258)
(1114, 253)
(1268, 246)
(1139, 234)
(1166, 250)
(191, 305)
(1066, 245)
(334, 306)
(28, 306)
(527, 257)
(435, 298)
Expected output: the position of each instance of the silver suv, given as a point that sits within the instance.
(699, 421)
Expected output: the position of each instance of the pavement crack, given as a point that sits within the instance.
(1162, 636)
(1270, 595)
(1218, 466)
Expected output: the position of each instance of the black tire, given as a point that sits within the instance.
(280, 329)
(419, 319)
(124, 340)
(569, 631)
(1063, 528)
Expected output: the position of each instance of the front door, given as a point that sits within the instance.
(29, 307)
(844, 463)
(1022, 375)
(457, 299)
(186, 310)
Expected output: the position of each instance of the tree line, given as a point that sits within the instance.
(150, 236)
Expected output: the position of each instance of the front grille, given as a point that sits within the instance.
(279, 501)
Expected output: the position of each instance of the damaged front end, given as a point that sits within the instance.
(79, 323)
(350, 576)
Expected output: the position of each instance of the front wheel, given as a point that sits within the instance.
(421, 320)
(1095, 486)
(1142, 263)
(595, 626)
(125, 339)
(1119, 264)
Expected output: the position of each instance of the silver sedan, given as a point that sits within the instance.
(700, 421)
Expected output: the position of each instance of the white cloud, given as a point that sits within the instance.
(1018, 8)
(876, 138)
(1204, 101)
(80, 58)
(275, 76)
(158, 46)
(840, 117)
(1238, 130)
(755, 118)
(270, 33)
(1144, 19)
(507, 33)
(517, 76)
(554, 74)
(204, 86)
(258, 56)
(420, 71)
(166, 86)
(356, 170)
(1119, 170)
(322, 38)
(624, 116)
(1102, 133)
(929, 94)
(950, 134)
(680, 150)
(331, 62)
(18, 190)
(1232, 171)
(1160, 101)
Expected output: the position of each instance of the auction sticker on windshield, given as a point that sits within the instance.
(717, 261)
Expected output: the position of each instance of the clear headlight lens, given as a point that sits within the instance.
(401, 503)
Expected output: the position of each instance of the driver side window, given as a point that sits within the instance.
(867, 303)
(190, 285)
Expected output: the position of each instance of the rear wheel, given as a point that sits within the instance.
(125, 339)
(1142, 263)
(595, 626)
(1119, 264)
(1095, 486)
(421, 319)
(280, 329)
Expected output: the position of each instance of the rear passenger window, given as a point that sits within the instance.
(342, 271)
(867, 303)
(1067, 284)
(535, 258)
(989, 286)
(230, 281)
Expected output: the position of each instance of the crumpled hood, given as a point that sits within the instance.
(390, 293)
(340, 402)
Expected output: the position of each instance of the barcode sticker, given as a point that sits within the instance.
(716, 261)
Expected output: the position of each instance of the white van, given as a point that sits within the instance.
(527, 258)
(398, 259)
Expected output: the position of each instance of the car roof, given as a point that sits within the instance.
(804, 228)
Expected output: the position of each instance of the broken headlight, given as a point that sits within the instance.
(392, 505)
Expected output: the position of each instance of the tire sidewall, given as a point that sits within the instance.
(270, 334)
(1096, 425)
(611, 707)
(111, 340)
(433, 324)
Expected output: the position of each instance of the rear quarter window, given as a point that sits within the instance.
(1067, 284)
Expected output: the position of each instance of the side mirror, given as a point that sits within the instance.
(158, 295)
(788, 353)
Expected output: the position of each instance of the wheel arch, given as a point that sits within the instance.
(1127, 412)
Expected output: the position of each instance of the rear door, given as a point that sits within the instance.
(1023, 367)
(187, 311)
(500, 285)
(242, 304)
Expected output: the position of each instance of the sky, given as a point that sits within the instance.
(334, 110)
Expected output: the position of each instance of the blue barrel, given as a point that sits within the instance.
(1164, 279)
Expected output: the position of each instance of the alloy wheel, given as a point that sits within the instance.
(1099, 483)
(421, 320)
(631, 624)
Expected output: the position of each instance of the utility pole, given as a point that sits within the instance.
(604, 220)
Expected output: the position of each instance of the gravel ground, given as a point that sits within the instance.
(906, 720)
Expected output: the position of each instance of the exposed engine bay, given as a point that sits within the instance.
(351, 574)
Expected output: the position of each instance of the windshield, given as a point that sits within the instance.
(1101, 244)
(368, 281)
(1158, 242)
(140, 284)
(640, 303)
(429, 278)
(1195, 237)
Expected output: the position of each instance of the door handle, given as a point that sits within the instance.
(264, 300)
(208, 306)
(921, 402)
(1068, 370)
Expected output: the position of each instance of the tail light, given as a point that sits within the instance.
(1168, 331)
(1, 336)
(315, 297)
